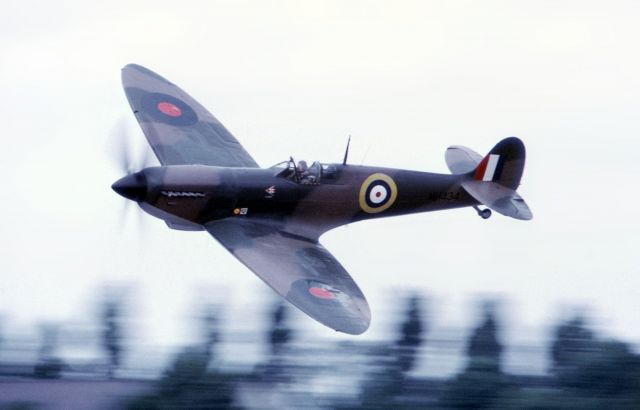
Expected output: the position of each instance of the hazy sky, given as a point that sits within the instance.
(405, 78)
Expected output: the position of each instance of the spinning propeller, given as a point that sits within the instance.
(133, 185)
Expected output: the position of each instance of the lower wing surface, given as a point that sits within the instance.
(299, 269)
(179, 129)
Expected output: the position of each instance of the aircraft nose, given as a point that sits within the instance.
(133, 186)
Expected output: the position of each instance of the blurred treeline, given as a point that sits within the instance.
(586, 370)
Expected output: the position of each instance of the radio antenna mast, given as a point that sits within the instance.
(346, 152)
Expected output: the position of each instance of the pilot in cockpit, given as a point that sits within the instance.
(307, 175)
(301, 173)
(302, 167)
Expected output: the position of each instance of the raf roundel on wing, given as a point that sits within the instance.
(168, 109)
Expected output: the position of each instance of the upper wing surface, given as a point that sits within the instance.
(179, 129)
(299, 269)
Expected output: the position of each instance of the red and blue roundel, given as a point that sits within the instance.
(377, 193)
(321, 293)
(168, 109)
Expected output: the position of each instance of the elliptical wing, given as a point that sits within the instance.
(300, 269)
(179, 129)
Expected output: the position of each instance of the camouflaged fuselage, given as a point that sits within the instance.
(189, 196)
(271, 219)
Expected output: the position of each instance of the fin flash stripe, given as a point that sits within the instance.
(486, 170)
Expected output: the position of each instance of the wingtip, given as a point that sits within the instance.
(355, 326)
(131, 68)
(356, 330)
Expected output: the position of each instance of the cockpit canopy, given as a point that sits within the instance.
(301, 173)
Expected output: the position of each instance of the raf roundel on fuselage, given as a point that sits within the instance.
(377, 193)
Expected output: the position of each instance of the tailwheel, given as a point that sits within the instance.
(483, 213)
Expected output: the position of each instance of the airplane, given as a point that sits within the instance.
(271, 219)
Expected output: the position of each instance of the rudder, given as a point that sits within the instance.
(504, 164)
(496, 178)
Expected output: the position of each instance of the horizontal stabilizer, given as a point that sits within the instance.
(461, 160)
(499, 198)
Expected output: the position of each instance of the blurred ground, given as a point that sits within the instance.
(418, 364)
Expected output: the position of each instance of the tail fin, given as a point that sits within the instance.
(504, 164)
(496, 178)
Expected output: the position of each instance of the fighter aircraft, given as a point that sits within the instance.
(272, 218)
